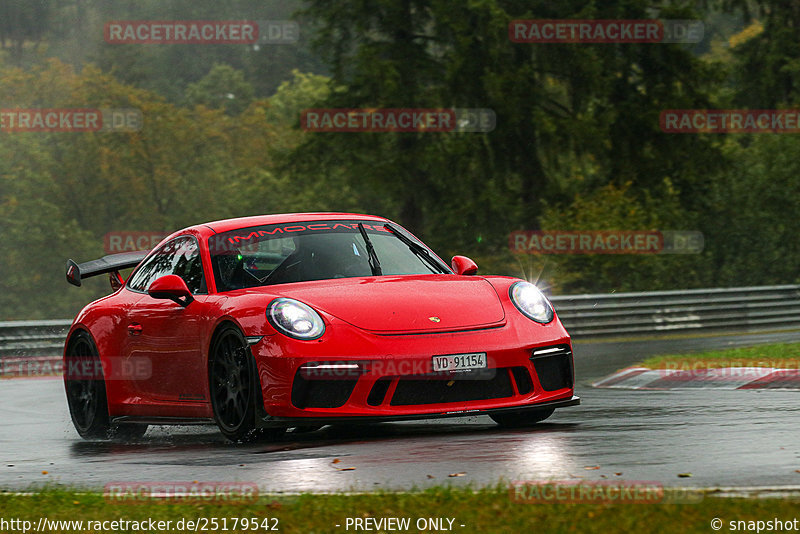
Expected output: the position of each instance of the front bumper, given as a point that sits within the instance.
(390, 377)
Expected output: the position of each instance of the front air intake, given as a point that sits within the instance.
(316, 392)
(553, 366)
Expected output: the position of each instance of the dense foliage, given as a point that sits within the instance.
(577, 144)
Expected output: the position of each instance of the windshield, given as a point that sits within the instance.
(317, 250)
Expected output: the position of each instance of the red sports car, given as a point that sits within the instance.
(260, 324)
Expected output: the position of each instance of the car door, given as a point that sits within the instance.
(168, 335)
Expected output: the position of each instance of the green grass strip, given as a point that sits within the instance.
(484, 510)
(782, 356)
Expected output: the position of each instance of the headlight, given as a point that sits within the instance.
(295, 319)
(531, 302)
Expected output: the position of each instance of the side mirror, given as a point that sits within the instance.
(464, 265)
(171, 287)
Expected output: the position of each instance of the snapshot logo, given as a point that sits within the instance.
(180, 492)
(605, 31)
(201, 32)
(730, 121)
(70, 120)
(605, 242)
(606, 492)
(398, 120)
(115, 242)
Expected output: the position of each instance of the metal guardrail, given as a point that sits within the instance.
(585, 316)
(682, 311)
(33, 338)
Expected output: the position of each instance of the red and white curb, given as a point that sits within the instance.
(718, 378)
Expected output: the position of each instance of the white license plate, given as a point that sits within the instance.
(460, 362)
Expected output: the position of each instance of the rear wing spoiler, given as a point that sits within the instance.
(112, 263)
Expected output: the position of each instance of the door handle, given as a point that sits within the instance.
(134, 329)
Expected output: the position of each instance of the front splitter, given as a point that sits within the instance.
(270, 421)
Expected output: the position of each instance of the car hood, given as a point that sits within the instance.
(413, 303)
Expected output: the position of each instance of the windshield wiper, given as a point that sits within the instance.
(417, 249)
(374, 262)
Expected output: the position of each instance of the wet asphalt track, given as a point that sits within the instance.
(723, 438)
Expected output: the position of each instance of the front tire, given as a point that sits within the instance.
(522, 418)
(233, 383)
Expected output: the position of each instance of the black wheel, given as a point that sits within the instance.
(234, 388)
(523, 418)
(86, 394)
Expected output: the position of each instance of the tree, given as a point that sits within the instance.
(570, 117)
(222, 88)
(63, 191)
(767, 72)
(21, 22)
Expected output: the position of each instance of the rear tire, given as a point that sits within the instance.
(86, 397)
(233, 384)
(521, 419)
(86, 394)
